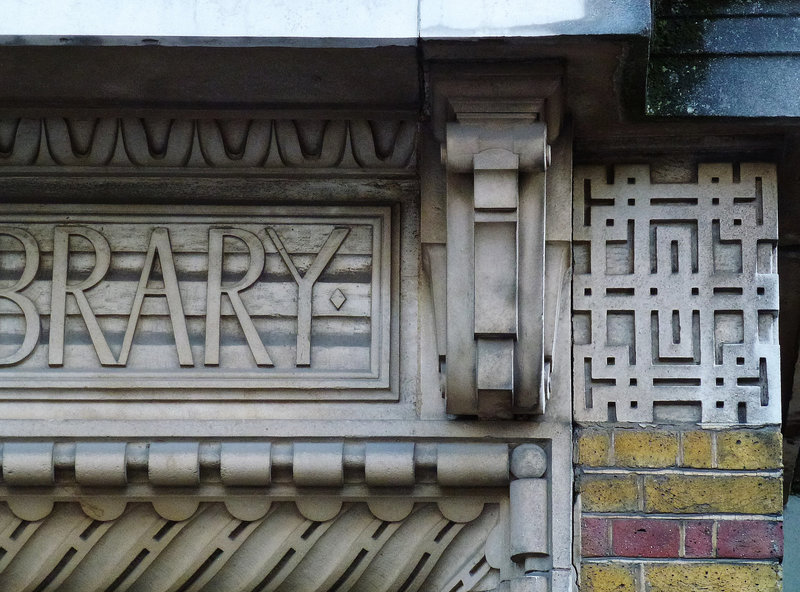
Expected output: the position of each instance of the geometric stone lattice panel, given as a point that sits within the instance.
(675, 296)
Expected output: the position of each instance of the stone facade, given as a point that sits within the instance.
(253, 383)
(340, 315)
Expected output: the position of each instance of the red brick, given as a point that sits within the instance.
(697, 542)
(594, 537)
(645, 538)
(750, 539)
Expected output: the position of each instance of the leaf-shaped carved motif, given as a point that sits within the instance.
(234, 142)
(158, 142)
(306, 144)
(19, 141)
(383, 144)
(81, 142)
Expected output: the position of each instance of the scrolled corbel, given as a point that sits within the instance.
(495, 152)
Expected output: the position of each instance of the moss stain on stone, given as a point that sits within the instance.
(673, 76)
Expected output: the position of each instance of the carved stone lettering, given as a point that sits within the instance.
(216, 236)
(11, 294)
(277, 301)
(159, 244)
(305, 285)
(60, 289)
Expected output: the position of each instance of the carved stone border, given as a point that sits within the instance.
(319, 476)
(175, 143)
(217, 551)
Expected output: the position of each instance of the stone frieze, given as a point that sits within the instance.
(183, 143)
(213, 550)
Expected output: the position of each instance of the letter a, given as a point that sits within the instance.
(159, 244)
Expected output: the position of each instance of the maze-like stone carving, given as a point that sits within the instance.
(675, 296)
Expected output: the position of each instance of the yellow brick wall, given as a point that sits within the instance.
(669, 509)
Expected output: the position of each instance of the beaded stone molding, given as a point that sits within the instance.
(178, 475)
(426, 516)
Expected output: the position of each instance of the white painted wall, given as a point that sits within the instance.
(27, 20)
(211, 18)
(495, 17)
(532, 18)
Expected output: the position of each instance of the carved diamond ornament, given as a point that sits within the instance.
(338, 298)
(675, 296)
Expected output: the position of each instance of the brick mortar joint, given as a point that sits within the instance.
(676, 560)
(673, 427)
(687, 471)
(688, 517)
(735, 449)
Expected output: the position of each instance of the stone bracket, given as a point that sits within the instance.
(495, 152)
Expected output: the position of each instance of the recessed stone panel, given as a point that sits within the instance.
(196, 302)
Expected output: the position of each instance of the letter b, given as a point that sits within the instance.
(32, 325)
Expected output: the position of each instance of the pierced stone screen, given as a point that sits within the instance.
(675, 296)
(270, 302)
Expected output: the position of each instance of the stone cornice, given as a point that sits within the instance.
(497, 492)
